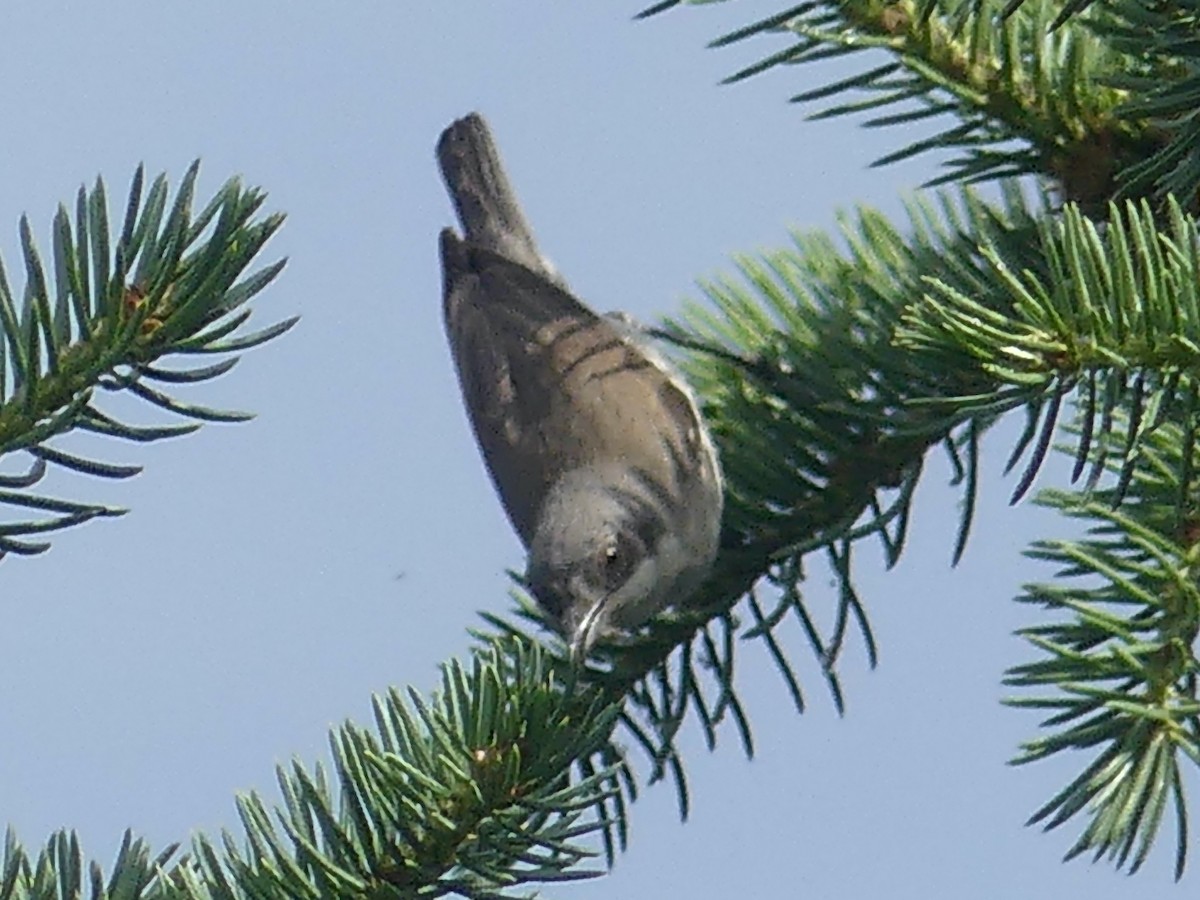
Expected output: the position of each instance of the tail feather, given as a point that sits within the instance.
(486, 204)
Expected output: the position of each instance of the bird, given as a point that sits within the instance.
(595, 444)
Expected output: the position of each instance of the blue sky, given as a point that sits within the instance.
(152, 667)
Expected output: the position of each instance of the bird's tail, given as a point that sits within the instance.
(487, 207)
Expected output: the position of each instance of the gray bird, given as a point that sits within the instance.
(594, 443)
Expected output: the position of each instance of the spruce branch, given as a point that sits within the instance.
(824, 420)
(1029, 90)
(1115, 320)
(1119, 656)
(1162, 85)
(829, 376)
(172, 284)
(813, 404)
(496, 782)
(466, 794)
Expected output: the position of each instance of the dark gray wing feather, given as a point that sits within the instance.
(550, 386)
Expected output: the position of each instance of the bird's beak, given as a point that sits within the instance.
(585, 634)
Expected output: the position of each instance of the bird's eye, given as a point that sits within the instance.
(617, 563)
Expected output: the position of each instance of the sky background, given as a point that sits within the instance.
(154, 666)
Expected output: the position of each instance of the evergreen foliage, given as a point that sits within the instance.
(111, 314)
(1072, 301)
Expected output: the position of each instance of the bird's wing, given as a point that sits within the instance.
(550, 386)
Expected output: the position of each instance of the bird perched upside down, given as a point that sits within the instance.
(593, 442)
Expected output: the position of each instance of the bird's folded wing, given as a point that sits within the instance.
(550, 386)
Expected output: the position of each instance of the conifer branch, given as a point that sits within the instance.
(107, 317)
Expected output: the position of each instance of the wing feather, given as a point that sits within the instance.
(550, 386)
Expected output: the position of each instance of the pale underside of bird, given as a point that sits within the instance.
(594, 443)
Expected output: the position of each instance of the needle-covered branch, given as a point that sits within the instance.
(1099, 97)
(465, 794)
(1118, 665)
(171, 284)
